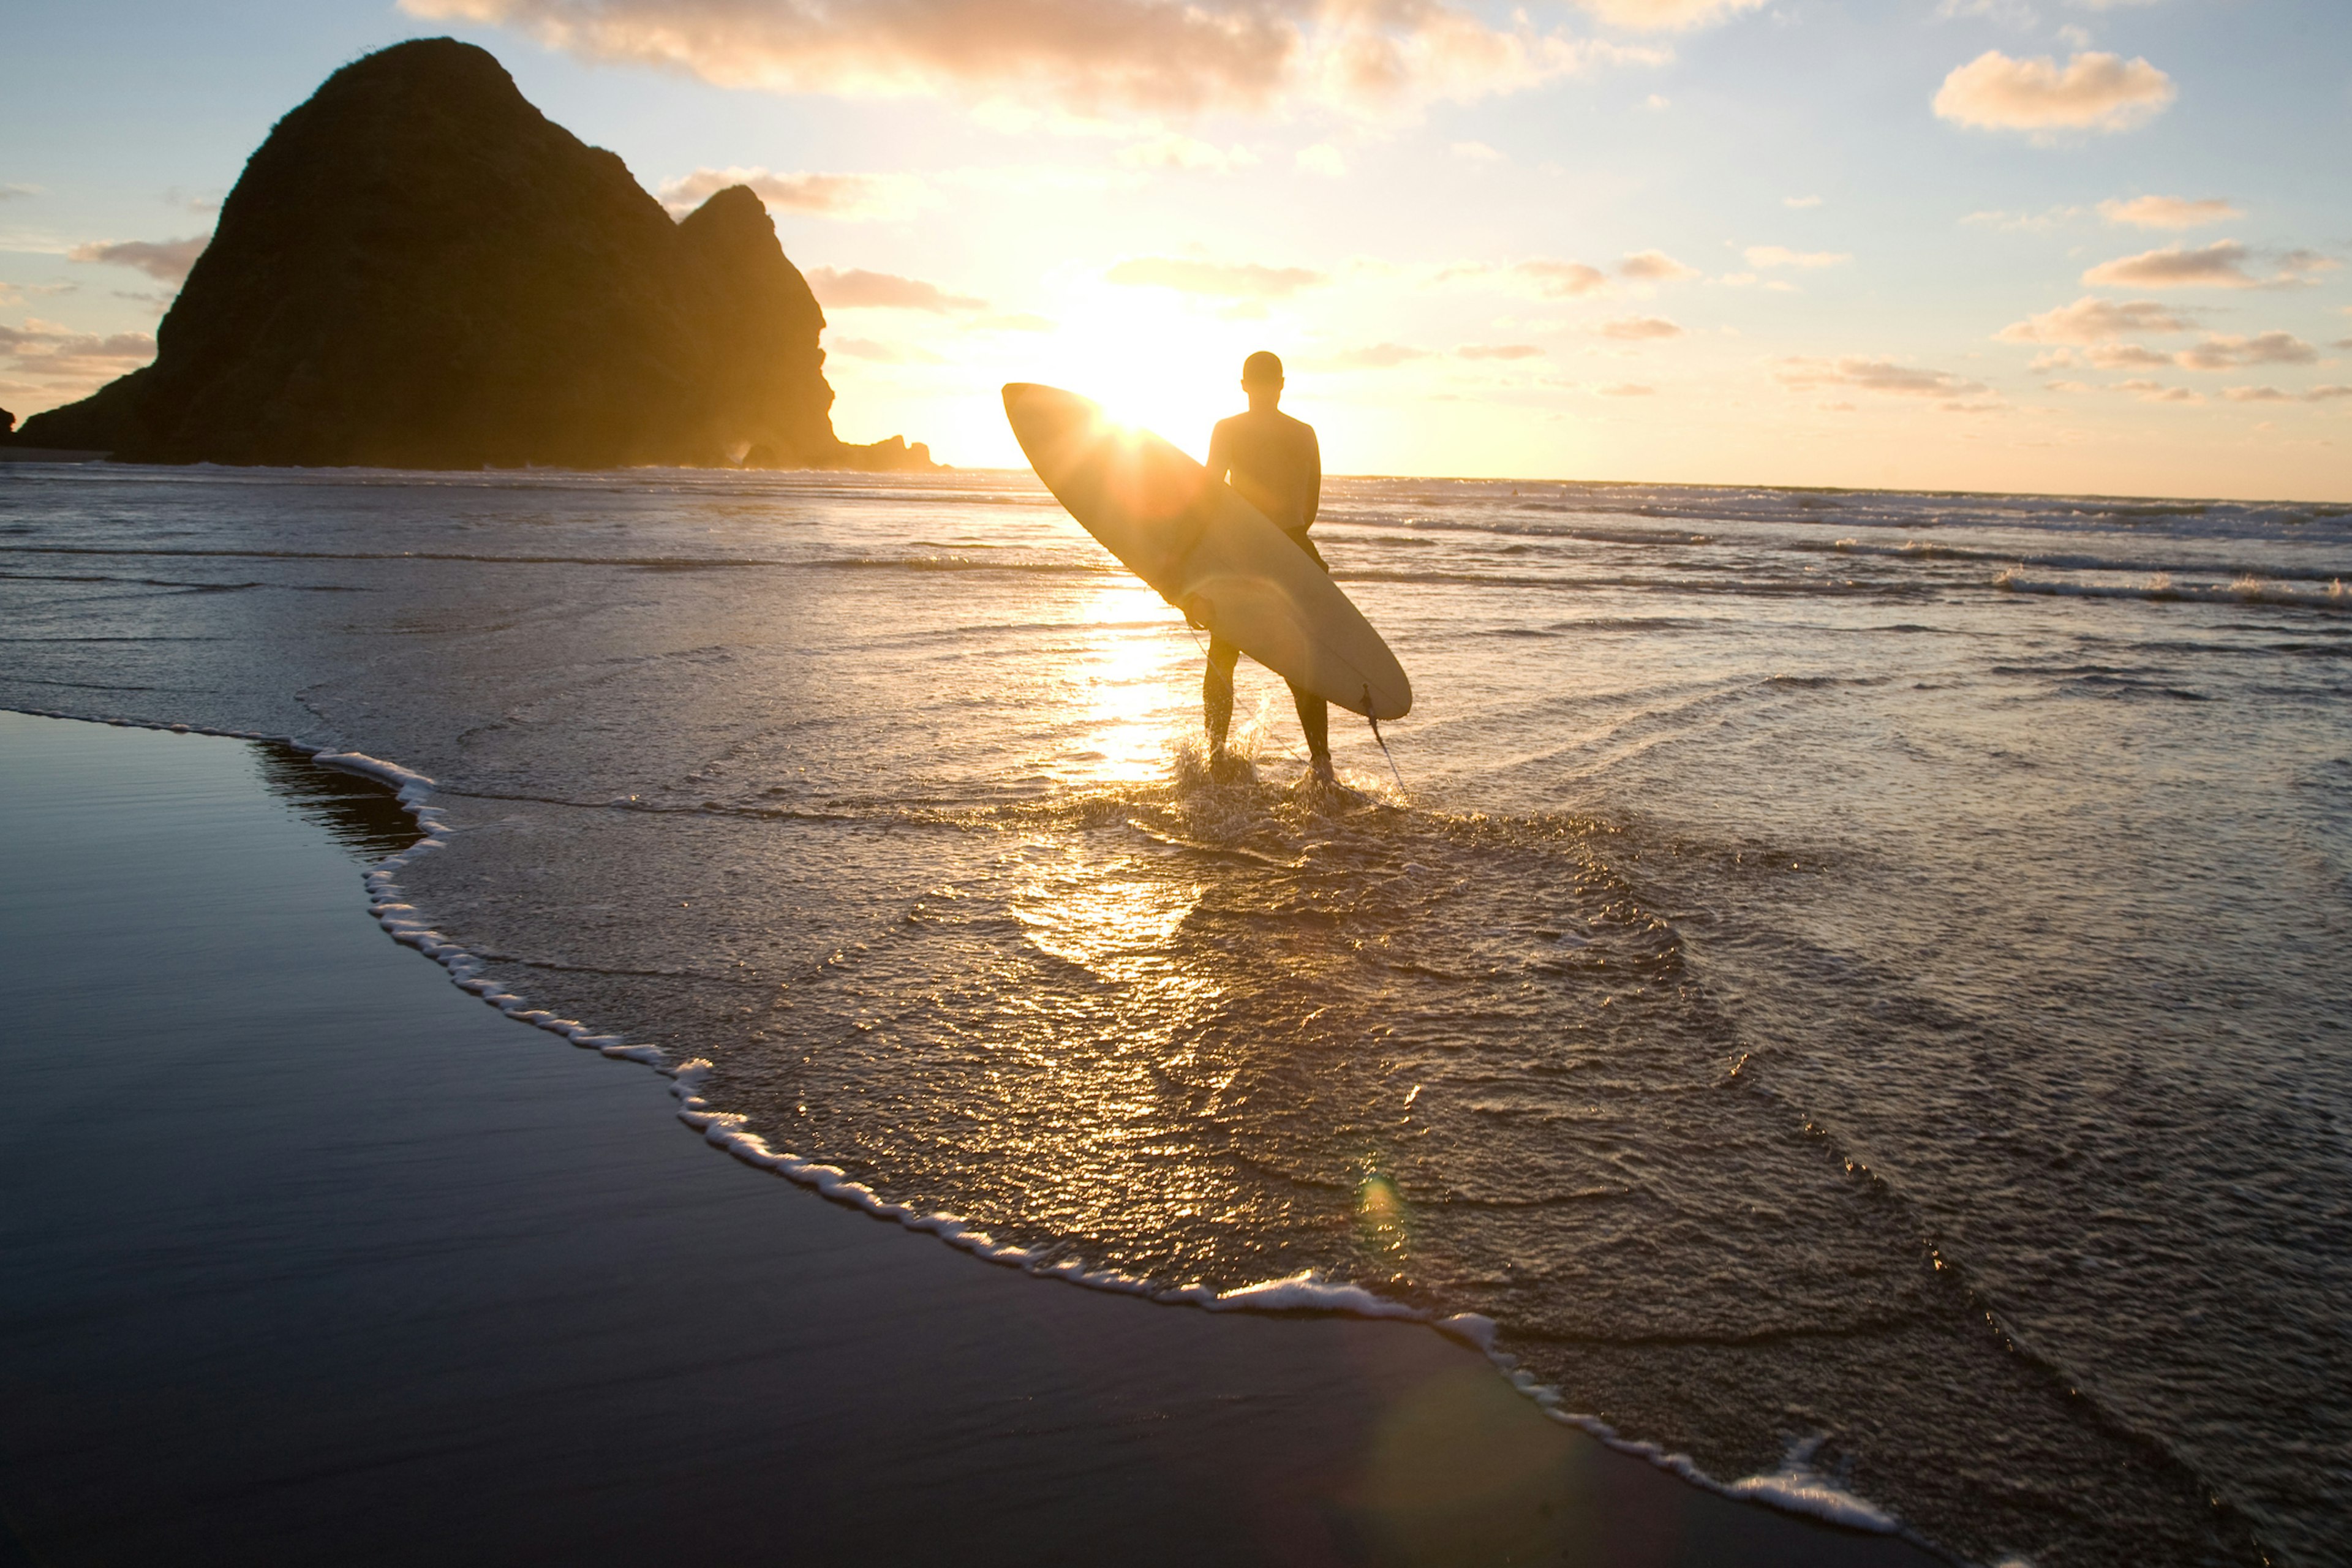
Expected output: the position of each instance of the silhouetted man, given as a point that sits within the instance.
(1273, 463)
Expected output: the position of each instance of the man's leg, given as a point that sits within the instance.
(1217, 695)
(1315, 718)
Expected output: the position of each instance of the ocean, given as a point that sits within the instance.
(1844, 991)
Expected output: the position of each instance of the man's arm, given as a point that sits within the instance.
(1313, 486)
(1221, 458)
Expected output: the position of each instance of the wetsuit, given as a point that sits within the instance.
(1273, 462)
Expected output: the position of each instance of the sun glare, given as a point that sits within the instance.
(1166, 363)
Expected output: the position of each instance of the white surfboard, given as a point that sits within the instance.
(1206, 550)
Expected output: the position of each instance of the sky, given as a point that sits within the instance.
(2050, 246)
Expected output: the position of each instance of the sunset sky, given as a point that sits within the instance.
(2037, 245)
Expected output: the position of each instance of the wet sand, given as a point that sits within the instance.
(312, 1257)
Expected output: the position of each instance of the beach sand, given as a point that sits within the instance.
(312, 1257)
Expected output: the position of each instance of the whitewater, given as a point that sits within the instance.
(1845, 990)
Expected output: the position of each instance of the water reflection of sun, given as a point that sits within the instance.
(1120, 688)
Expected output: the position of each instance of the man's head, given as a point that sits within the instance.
(1262, 379)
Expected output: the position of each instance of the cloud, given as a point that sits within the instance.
(1186, 154)
(1639, 329)
(1651, 15)
(2009, 12)
(1800, 203)
(1499, 351)
(881, 353)
(1226, 280)
(848, 198)
(1878, 376)
(2103, 356)
(63, 363)
(2220, 264)
(2157, 392)
(2219, 352)
(856, 288)
(2035, 222)
(1475, 152)
(1780, 255)
(2169, 211)
(2091, 320)
(1021, 321)
(2272, 394)
(18, 193)
(2126, 356)
(164, 260)
(1099, 59)
(1562, 280)
(16, 293)
(1627, 389)
(1320, 158)
(1380, 357)
(1653, 266)
(2093, 92)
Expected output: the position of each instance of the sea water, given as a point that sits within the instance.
(1845, 989)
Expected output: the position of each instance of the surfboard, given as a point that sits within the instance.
(1206, 550)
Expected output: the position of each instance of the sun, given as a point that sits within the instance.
(1164, 361)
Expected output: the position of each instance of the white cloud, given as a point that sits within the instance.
(2220, 264)
(2272, 394)
(1801, 202)
(2169, 211)
(63, 363)
(1627, 389)
(1321, 159)
(2092, 92)
(856, 288)
(848, 198)
(1226, 280)
(2092, 320)
(1562, 280)
(1475, 152)
(1019, 322)
(1653, 266)
(164, 260)
(1639, 329)
(2008, 13)
(1499, 351)
(1884, 377)
(16, 293)
(1657, 15)
(1380, 357)
(1099, 59)
(2157, 392)
(2219, 352)
(1762, 256)
(18, 193)
(2126, 356)
(881, 353)
(1179, 152)
(2032, 221)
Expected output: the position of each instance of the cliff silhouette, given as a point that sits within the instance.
(419, 270)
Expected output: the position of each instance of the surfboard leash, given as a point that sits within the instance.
(1377, 736)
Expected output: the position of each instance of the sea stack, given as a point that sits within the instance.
(419, 270)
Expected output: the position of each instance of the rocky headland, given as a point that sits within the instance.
(419, 270)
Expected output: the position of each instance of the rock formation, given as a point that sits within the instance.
(419, 270)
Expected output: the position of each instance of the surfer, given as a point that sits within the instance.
(1273, 463)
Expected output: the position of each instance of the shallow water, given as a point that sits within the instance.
(1853, 980)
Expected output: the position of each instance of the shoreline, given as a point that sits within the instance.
(1309, 1379)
